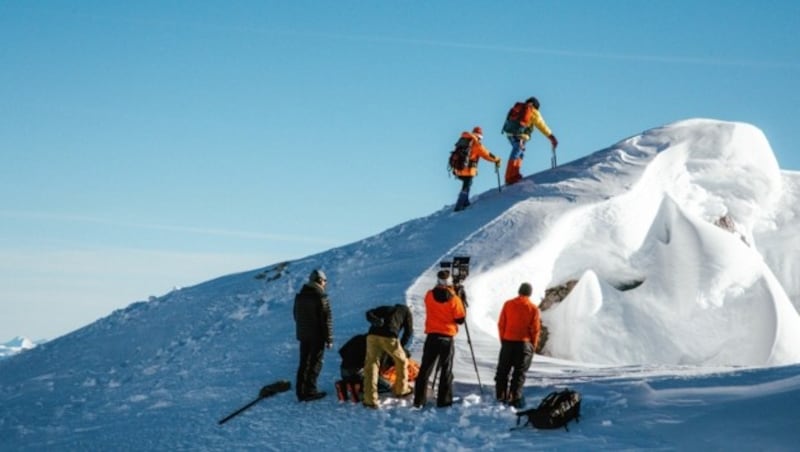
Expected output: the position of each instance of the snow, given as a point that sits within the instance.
(679, 333)
(16, 345)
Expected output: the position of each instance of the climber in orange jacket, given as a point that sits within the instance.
(519, 326)
(476, 151)
(520, 122)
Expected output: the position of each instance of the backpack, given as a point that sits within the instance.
(554, 411)
(459, 156)
(519, 119)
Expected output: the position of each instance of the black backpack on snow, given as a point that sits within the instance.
(554, 411)
(459, 157)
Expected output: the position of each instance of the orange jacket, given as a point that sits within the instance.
(444, 310)
(519, 321)
(478, 151)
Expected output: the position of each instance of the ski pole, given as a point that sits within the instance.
(497, 171)
(553, 162)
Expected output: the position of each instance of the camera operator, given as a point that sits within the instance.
(444, 311)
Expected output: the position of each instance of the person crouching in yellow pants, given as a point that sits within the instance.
(387, 321)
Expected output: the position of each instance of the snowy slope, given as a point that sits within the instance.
(676, 361)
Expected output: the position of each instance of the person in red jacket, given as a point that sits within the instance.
(520, 122)
(477, 151)
(444, 311)
(519, 327)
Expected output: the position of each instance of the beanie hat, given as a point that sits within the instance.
(478, 131)
(443, 278)
(534, 101)
(317, 276)
(525, 289)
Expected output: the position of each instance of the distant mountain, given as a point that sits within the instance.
(17, 345)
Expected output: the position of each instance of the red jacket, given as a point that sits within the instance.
(519, 321)
(478, 151)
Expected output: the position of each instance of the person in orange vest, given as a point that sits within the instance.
(519, 326)
(520, 122)
(444, 311)
(476, 151)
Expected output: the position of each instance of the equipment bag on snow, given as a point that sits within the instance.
(554, 411)
(265, 392)
(518, 119)
(459, 157)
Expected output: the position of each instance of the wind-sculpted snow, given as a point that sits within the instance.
(707, 298)
(667, 306)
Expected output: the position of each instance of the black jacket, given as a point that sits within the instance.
(354, 351)
(312, 315)
(387, 321)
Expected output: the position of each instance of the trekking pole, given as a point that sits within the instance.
(497, 171)
(553, 162)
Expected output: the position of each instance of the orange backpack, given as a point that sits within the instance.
(519, 119)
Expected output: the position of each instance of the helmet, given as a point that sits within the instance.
(534, 101)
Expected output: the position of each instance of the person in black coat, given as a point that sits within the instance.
(314, 328)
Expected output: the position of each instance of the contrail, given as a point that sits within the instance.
(665, 59)
(555, 52)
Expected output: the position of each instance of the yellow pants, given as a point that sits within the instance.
(376, 347)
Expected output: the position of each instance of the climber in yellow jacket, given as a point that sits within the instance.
(521, 120)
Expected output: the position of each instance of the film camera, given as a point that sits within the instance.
(459, 270)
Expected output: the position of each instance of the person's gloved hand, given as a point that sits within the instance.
(553, 140)
(497, 163)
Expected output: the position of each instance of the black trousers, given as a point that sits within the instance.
(441, 348)
(466, 183)
(515, 359)
(311, 357)
(463, 196)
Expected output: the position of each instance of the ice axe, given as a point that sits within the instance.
(497, 171)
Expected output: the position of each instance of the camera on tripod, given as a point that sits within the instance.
(458, 267)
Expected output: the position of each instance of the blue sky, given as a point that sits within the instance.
(147, 145)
